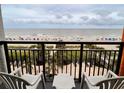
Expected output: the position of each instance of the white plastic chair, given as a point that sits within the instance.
(111, 83)
(105, 81)
(16, 80)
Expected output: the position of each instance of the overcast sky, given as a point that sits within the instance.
(63, 16)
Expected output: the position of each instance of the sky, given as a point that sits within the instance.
(63, 15)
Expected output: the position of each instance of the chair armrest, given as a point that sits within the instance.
(110, 73)
(86, 77)
(43, 81)
(17, 72)
(38, 77)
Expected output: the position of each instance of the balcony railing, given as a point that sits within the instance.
(73, 61)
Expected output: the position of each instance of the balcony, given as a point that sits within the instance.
(63, 59)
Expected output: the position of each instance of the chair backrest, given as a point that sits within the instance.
(13, 82)
(112, 83)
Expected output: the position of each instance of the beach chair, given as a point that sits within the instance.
(16, 80)
(108, 81)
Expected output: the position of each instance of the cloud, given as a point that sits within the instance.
(84, 18)
(64, 19)
(106, 21)
(58, 16)
(64, 14)
(121, 14)
(48, 21)
(102, 13)
(68, 16)
(61, 16)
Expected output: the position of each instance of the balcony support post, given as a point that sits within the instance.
(119, 58)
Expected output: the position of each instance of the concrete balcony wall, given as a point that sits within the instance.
(3, 66)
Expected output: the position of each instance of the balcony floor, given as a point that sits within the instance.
(49, 85)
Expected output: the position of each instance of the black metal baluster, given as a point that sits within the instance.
(21, 61)
(34, 61)
(9, 55)
(117, 53)
(99, 61)
(53, 64)
(90, 59)
(71, 64)
(95, 56)
(86, 61)
(12, 59)
(109, 60)
(43, 54)
(29, 63)
(113, 61)
(75, 64)
(80, 62)
(49, 62)
(16, 58)
(62, 60)
(104, 62)
(57, 61)
(38, 62)
(66, 60)
(25, 60)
